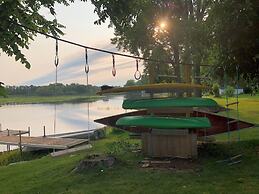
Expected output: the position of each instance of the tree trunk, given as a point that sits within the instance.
(177, 66)
(152, 73)
(197, 74)
(177, 62)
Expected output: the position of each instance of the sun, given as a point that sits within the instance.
(162, 25)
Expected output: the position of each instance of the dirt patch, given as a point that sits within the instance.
(174, 164)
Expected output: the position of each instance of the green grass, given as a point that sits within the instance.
(248, 111)
(47, 99)
(54, 175)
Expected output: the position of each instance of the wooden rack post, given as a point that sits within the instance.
(44, 131)
(8, 146)
(20, 142)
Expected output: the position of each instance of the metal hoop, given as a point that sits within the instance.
(56, 57)
(56, 60)
(137, 74)
(87, 68)
(113, 72)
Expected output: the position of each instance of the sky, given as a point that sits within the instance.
(79, 21)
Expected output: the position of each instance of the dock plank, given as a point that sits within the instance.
(71, 150)
(42, 142)
(12, 132)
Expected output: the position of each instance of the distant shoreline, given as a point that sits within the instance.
(47, 99)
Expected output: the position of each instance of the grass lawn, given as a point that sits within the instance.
(47, 99)
(248, 111)
(54, 175)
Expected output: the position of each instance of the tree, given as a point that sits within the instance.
(234, 30)
(138, 30)
(215, 90)
(52, 90)
(2, 90)
(130, 82)
(25, 12)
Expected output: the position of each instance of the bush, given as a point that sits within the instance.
(215, 90)
(248, 90)
(116, 131)
(14, 156)
(229, 91)
(3, 91)
(121, 147)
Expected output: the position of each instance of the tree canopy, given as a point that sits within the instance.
(202, 32)
(27, 13)
(234, 30)
(52, 90)
(221, 33)
(138, 30)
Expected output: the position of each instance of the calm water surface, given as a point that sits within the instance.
(69, 116)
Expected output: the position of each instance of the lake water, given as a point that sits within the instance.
(69, 116)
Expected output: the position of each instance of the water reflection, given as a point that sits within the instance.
(69, 116)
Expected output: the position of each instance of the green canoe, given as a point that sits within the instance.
(164, 122)
(168, 103)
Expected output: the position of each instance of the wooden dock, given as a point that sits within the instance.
(9, 132)
(41, 142)
(14, 137)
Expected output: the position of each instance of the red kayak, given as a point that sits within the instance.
(219, 123)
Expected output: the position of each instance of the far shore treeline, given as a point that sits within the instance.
(52, 90)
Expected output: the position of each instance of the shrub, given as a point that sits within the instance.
(121, 147)
(247, 90)
(215, 90)
(3, 92)
(229, 91)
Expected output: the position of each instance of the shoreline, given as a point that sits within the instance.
(17, 100)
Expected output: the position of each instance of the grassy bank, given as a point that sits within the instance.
(49, 99)
(54, 175)
(248, 111)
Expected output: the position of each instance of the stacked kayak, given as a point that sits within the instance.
(162, 122)
(166, 108)
(151, 88)
(169, 127)
(168, 103)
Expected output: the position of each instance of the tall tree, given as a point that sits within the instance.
(234, 30)
(139, 29)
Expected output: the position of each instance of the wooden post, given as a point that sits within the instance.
(187, 76)
(44, 131)
(29, 131)
(8, 146)
(20, 142)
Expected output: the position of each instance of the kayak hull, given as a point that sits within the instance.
(152, 88)
(218, 122)
(168, 123)
(161, 103)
